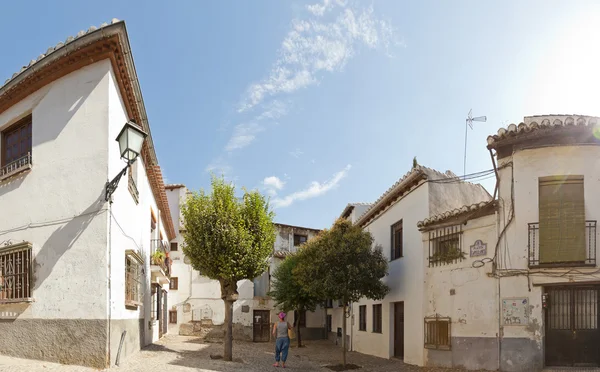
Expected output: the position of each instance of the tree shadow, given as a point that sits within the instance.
(63, 239)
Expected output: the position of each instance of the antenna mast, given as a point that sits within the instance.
(469, 123)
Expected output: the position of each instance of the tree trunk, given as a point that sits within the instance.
(228, 351)
(298, 337)
(229, 295)
(344, 336)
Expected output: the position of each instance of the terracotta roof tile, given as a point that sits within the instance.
(541, 123)
(464, 210)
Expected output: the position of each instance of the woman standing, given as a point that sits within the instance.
(282, 342)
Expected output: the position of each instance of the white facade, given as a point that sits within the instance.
(197, 298)
(486, 330)
(75, 313)
(410, 200)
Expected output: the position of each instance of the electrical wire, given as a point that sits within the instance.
(60, 221)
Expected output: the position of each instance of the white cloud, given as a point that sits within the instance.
(219, 167)
(243, 135)
(320, 9)
(297, 153)
(315, 189)
(313, 46)
(273, 182)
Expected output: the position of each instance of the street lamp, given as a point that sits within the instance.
(131, 138)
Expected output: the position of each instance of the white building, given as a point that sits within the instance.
(75, 272)
(195, 301)
(393, 327)
(526, 295)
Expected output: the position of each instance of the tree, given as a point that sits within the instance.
(342, 264)
(289, 294)
(228, 239)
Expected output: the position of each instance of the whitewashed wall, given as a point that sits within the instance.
(472, 305)
(70, 168)
(405, 280)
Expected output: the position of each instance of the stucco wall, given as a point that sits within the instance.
(129, 229)
(59, 207)
(403, 280)
(528, 166)
(469, 297)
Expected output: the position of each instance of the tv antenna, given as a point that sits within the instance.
(469, 124)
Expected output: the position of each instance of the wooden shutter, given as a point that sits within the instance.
(562, 219)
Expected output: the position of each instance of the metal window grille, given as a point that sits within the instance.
(438, 332)
(445, 246)
(16, 273)
(133, 190)
(173, 316)
(534, 246)
(132, 282)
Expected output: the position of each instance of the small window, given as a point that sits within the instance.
(377, 318)
(362, 318)
(16, 273)
(328, 304)
(16, 147)
(299, 239)
(131, 184)
(133, 267)
(328, 322)
(173, 316)
(174, 247)
(445, 246)
(396, 251)
(174, 284)
(437, 333)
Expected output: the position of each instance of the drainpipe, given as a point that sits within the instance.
(500, 330)
(109, 278)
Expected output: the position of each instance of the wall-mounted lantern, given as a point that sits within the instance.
(131, 138)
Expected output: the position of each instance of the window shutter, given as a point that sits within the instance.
(562, 219)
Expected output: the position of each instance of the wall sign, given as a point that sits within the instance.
(515, 311)
(478, 249)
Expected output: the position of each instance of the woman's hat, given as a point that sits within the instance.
(281, 315)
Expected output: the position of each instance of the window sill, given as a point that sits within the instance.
(439, 347)
(377, 332)
(16, 300)
(133, 305)
(562, 265)
(396, 259)
(362, 330)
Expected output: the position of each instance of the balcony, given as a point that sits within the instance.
(160, 263)
(534, 248)
(17, 166)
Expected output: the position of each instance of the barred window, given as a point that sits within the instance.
(174, 284)
(173, 316)
(16, 273)
(133, 271)
(437, 333)
(445, 246)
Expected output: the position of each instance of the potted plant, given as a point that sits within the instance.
(158, 258)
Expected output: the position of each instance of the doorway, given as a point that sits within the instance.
(261, 326)
(571, 321)
(399, 330)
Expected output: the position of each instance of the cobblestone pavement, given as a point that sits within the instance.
(187, 354)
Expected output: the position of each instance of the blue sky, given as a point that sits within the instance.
(320, 103)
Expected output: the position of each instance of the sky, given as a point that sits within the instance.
(322, 103)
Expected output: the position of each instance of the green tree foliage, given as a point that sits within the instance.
(289, 294)
(342, 264)
(228, 239)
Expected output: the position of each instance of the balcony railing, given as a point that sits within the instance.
(16, 166)
(534, 247)
(161, 246)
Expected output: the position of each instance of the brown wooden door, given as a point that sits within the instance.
(261, 326)
(399, 330)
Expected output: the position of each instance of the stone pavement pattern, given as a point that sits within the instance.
(187, 354)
